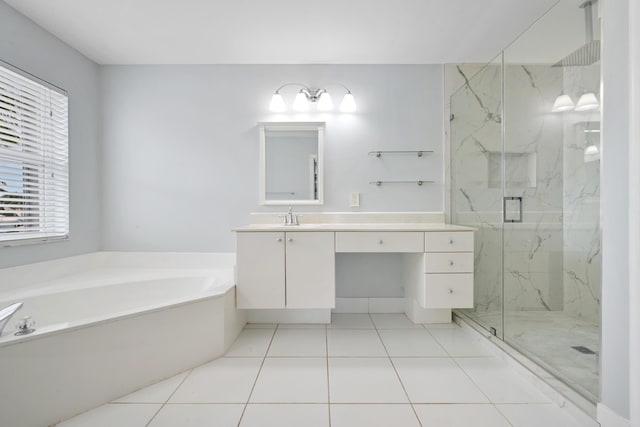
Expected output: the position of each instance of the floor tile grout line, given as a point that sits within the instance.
(169, 398)
(503, 415)
(396, 371)
(258, 375)
(438, 342)
(447, 351)
(453, 359)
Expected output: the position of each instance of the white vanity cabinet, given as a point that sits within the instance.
(285, 269)
(448, 271)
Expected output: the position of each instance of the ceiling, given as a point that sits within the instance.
(285, 31)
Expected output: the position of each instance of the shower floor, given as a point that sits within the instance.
(549, 338)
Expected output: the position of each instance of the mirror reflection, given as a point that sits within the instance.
(291, 163)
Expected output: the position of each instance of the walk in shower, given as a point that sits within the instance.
(525, 170)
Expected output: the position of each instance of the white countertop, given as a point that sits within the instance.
(356, 227)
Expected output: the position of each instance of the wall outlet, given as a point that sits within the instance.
(354, 200)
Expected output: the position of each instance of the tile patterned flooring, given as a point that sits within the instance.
(549, 337)
(361, 370)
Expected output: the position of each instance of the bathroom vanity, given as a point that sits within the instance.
(293, 266)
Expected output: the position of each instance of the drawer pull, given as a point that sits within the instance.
(290, 239)
(279, 239)
(451, 242)
(450, 291)
(451, 262)
(380, 242)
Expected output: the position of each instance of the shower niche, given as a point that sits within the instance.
(521, 172)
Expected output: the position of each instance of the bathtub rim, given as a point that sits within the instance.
(17, 278)
(10, 339)
(69, 283)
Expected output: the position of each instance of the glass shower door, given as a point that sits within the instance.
(551, 198)
(525, 171)
(476, 181)
(533, 208)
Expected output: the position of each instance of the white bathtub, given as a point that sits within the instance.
(108, 324)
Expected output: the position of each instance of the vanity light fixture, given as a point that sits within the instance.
(277, 103)
(587, 102)
(324, 103)
(563, 103)
(307, 95)
(348, 103)
(300, 103)
(591, 153)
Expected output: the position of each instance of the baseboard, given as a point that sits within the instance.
(608, 418)
(418, 314)
(369, 305)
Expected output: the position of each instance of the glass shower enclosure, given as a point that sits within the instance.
(525, 171)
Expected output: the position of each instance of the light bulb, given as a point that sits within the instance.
(587, 101)
(324, 103)
(300, 103)
(562, 103)
(591, 153)
(592, 149)
(277, 103)
(348, 104)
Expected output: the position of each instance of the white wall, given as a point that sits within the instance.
(634, 212)
(615, 217)
(27, 46)
(181, 146)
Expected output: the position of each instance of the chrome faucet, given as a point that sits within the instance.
(6, 313)
(290, 218)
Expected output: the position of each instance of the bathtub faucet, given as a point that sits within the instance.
(6, 313)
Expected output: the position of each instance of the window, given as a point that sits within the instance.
(34, 158)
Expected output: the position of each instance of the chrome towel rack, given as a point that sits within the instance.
(418, 182)
(418, 153)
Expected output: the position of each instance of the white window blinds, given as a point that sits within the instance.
(34, 159)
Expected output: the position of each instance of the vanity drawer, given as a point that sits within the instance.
(383, 241)
(448, 241)
(448, 262)
(448, 290)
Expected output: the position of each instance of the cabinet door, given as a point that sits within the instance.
(260, 264)
(311, 270)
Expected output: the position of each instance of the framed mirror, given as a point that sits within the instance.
(291, 163)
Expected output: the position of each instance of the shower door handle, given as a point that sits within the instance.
(512, 209)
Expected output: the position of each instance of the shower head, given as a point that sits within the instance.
(589, 53)
(585, 55)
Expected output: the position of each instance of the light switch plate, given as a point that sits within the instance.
(354, 200)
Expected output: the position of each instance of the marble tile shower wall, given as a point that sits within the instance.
(546, 264)
(475, 133)
(581, 210)
(534, 154)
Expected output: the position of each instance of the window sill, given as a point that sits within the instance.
(32, 241)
